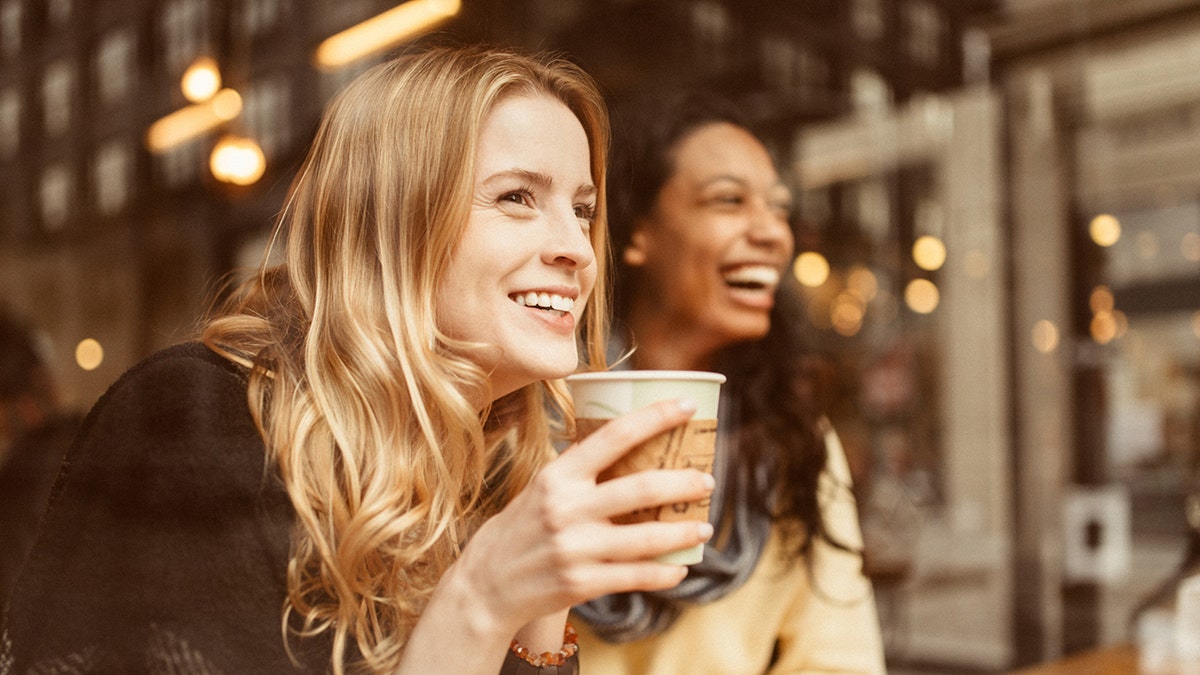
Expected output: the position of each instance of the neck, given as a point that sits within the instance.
(664, 343)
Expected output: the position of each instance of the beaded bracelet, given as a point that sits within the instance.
(569, 648)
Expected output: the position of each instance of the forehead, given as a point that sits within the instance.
(719, 143)
(534, 131)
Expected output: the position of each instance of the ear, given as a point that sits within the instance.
(634, 254)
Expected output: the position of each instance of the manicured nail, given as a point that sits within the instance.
(710, 483)
(705, 530)
(686, 405)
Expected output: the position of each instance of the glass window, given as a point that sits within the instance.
(115, 66)
(866, 16)
(870, 92)
(267, 114)
(181, 165)
(262, 16)
(58, 86)
(788, 66)
(59, 11)
(111, 172)
(711, 26)
(10, 123)
(54, 196)
(185, 32)
(926, 31)
(10, 27)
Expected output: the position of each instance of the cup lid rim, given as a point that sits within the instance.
(692, 375)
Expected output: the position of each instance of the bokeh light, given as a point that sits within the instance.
(811, 269)
(846, 315)
(921, 296)
(201, 81)
(1103, 327)
(237, 160)
(1105, 229)
(89, 354)
(1044, 336)
(1101, 299)
(863, 281)
(929, 253)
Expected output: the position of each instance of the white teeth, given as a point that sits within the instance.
(553, 301)
(761, 275)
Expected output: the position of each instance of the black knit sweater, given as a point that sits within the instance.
(165, 545)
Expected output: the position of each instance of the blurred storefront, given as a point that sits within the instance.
(998, 235)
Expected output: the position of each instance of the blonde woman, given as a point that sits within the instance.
(354, 470)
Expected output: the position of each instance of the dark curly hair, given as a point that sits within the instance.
(771, 380)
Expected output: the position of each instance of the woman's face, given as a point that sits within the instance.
(717, 240)
(524, 269)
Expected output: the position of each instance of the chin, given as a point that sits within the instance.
(746, 331)
(554, 367)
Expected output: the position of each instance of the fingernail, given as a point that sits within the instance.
(705, 530)
(686, 405)
(710, 483)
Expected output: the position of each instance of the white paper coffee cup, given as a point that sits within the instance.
(600, 397)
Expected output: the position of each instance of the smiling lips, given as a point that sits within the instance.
(558, 304)
(752, 277)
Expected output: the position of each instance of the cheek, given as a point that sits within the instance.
(587, 284)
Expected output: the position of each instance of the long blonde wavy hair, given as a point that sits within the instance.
(369, 413)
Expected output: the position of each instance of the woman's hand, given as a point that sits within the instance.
(555, 544)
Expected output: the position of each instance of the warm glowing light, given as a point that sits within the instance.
(89, 354)
(384, 31)
(1122, 322)
(1190, 246)
(846, 315)
(185, 124)
(1104, 327)
(201, 81)
(811, 269)
(1101, 300)
(1105, 229)
(1044, 336)
(929, 252)
(237, 160)
(862, 281)
(921, 296)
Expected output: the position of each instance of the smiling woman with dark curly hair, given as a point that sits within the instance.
(702, 240)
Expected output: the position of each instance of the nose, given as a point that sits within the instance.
(769, 228)
(569, 244)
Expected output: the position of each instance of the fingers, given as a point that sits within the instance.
(624, 558)
(642, 541)
(608, 443)
(623, 577)
(645, 489)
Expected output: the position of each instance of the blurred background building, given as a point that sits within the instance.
(998, 244)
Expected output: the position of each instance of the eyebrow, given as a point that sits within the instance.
(539, 179)
(779, 187)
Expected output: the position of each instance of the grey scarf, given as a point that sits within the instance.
(625, 617)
